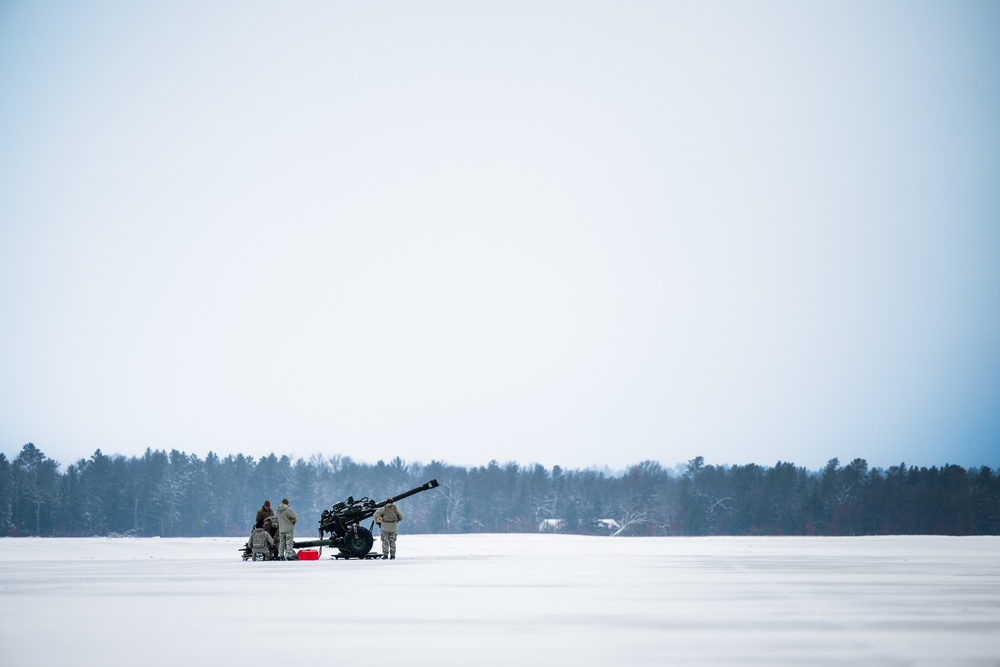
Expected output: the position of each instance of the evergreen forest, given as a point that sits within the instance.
(173, 494)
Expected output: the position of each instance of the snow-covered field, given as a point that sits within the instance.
(511, 600)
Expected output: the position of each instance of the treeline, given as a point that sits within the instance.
(181, 495)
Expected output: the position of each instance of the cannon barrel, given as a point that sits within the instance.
(423, 487)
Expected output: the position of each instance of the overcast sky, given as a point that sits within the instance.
(574, 233)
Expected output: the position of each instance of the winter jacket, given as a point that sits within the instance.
(390, 515)
(262, 514)
(286, 518)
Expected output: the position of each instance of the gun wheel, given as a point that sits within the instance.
(358, 544)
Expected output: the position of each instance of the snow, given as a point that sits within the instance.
(481, 600)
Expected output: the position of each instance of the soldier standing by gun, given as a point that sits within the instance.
(286, 531)
(387, 517)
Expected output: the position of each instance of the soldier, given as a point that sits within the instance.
(261, 543)
(286, 531)
(264, 511)
(387, 517)
(271, 526)
(266, 515)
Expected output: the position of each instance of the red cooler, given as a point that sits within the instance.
(308, 554)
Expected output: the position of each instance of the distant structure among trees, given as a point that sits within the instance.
(179, 495)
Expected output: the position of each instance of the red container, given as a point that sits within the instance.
(308, 554)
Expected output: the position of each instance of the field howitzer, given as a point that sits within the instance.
(343, 524)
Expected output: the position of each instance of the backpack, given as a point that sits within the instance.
(257, 540)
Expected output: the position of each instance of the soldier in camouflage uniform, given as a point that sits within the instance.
(271, 526)
(387, 517)
(261, 543)
(286, 531)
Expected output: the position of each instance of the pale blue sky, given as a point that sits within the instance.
(569, 233)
